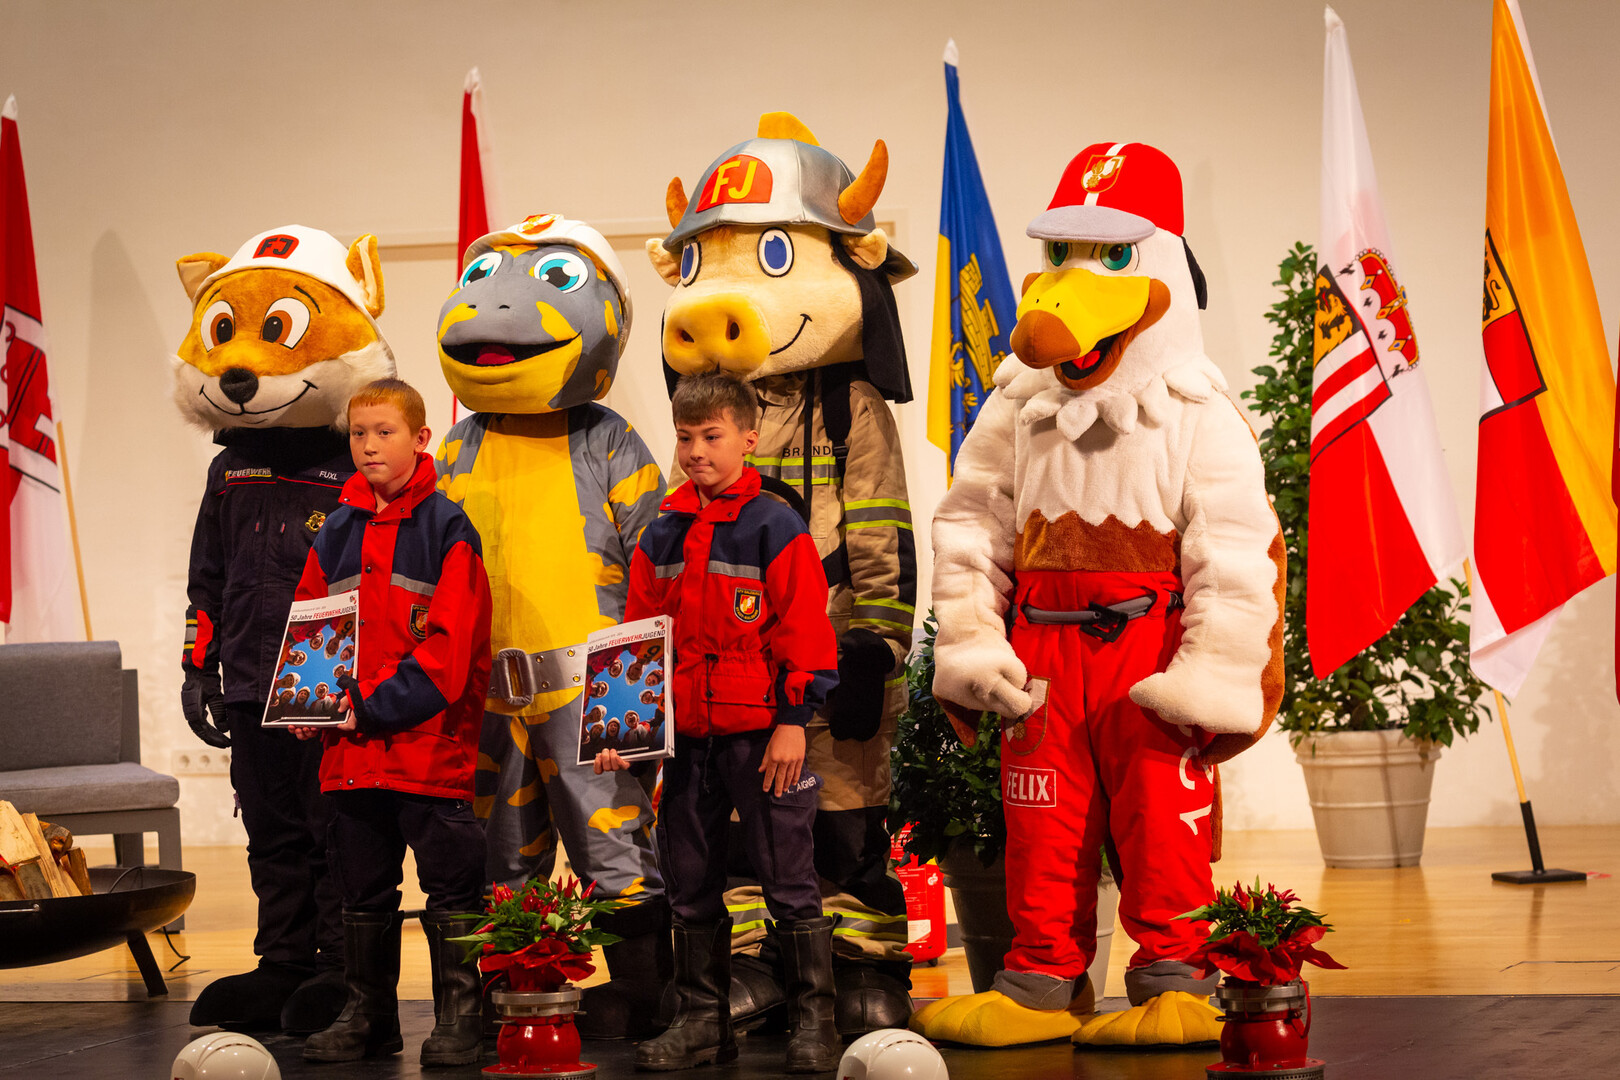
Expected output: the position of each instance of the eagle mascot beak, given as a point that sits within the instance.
(1082, 322)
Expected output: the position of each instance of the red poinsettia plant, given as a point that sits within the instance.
(1260, 936)
(540, 934)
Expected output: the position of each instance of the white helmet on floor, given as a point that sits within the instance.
(225, 1055)
(892, 1054)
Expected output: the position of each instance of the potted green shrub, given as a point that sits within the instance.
(950, 795)
(1371, 732)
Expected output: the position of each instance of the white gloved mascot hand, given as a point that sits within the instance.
(982, 672)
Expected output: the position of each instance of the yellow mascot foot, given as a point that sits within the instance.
(991, 1019)
(1174, 1018)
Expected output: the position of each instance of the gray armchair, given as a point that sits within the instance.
(70, 749)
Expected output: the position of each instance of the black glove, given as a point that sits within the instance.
(203, 703)
(356, 702)
(855, 707)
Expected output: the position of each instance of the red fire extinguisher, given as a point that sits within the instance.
(924, 886)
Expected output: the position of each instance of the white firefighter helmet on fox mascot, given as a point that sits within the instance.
(225, 1055)
(892, 1054)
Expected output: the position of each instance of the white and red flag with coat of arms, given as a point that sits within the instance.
(1383, 519)
(37, 588)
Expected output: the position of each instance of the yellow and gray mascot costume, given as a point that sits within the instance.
(559, 488)
(282, 333)
(782, 279)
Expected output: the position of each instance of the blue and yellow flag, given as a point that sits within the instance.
(973, 299)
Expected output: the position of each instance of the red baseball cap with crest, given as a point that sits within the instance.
(1113, 192)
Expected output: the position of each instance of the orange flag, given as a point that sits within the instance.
(1544, 514)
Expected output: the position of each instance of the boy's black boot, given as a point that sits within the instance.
(368, 1026)
(814, 1045)
(701, 1030)
(458, 1035)
(640, 965)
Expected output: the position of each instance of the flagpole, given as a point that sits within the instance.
(73, 529)
(1538, 874)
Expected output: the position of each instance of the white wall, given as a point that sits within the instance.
(154, 130)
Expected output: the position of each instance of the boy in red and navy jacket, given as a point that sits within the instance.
(400, 767)
(754, 656)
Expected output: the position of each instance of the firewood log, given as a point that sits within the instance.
(32, 880)
(16, 842)
(76, 868)
(60, 839)
(59, 882)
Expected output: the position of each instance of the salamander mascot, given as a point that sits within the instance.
(282, 333)
(783, 279)
(1109, 507)
(559, 488)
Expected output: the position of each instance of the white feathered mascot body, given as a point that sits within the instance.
(1108, 578)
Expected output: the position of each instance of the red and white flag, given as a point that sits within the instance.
(478, 201)
(38, 594)
(1384, 524)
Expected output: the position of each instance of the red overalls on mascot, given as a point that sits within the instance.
(1109, 507)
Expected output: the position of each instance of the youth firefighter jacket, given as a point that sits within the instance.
(423, 642)
(740, 577)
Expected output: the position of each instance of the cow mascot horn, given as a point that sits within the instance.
(783, 279)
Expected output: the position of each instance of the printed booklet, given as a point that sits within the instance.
(318, 649)
(626, 706)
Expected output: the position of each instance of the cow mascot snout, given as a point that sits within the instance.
(1109, 578)
(782, 279)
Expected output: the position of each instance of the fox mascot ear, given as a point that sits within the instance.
(194, 270)
(366, 268)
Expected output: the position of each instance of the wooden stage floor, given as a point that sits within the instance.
(1451, 975)
(1442, 928)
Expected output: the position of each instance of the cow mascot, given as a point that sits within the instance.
(559, 488)
(282, 333)
(782, 279)
(1109, 577)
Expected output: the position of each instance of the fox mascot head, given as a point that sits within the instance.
(282, 333)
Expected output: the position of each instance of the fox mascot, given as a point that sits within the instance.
(282, 333)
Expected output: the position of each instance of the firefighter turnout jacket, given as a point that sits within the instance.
(269, 491)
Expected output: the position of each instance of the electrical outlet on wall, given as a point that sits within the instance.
(203, 761)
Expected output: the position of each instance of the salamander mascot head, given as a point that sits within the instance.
(779, 265)
(282, 333)
(538, 320)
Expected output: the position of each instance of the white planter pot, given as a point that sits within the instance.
(1369, 792)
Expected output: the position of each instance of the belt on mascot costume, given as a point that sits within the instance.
(1104, 621)
(515, 676)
